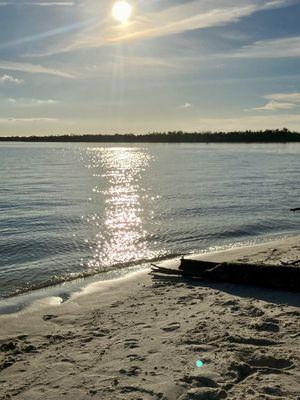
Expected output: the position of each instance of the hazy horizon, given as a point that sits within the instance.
(193, 65)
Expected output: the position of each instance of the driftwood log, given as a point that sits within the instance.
(285, 277)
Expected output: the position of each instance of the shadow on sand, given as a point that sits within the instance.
(245, 291)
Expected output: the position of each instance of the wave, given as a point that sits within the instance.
(73, 276)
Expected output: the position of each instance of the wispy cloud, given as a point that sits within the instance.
(35, 69)
(275, 105)
(31, 102)
(191, 16)
(185, 106)
(179, 18)
(275, 48)
(144, 61)
(279, 101)
(26, 120)
(47, 34)
(254, 122)
(10, 79)
(291, 97)
(36, 3)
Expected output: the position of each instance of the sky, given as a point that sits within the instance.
(69, 67)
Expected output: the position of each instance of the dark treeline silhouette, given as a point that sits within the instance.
(267, 136)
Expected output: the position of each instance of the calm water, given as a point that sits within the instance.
(74, 210)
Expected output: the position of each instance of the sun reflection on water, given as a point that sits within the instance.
(122, 237)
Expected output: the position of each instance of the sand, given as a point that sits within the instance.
(140, 338)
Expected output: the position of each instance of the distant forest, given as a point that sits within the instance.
(267, 136)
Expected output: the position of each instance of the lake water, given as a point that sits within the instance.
(74, 210)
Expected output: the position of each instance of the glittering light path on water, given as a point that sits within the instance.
(125, 238)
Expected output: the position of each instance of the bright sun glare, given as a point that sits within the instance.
(122, 11)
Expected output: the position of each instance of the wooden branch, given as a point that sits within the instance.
(166, 271)
(285, 277)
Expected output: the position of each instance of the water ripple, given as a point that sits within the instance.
(71, 211)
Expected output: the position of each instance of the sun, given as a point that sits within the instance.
(122, 11)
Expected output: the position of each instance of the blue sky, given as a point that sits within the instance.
(193, 65)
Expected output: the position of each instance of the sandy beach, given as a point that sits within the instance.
(140, 338)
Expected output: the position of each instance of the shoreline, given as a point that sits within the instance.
(65, 289)
(139, 338)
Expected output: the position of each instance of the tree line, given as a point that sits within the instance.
(266, 136)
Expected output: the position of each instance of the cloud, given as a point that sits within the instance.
(10, 79)
(169, 23)
(26, 120)
(255, 122)
(191, 16)
(185, 106)
(291, 97)
(34, 69)
(275, 48)
(275, 105)
(47, 34)
(31, 102)
(38, 3)
(144, 61)
(178, 18)
(279, 101)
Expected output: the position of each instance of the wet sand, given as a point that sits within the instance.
(140, 337)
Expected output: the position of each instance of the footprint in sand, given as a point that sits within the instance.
(252, 341)
(100, 332)
(171, 327)
(294, 313)
(8, 362)
(252, 311)
(274, 391)
(86, 339)
(9, 345)
(266, 326)
(131, 371)
(184, 299)
(116, 304)
(229, 303)
(138, 389)
(238, 371)
(136, 357)
(204, 393)
(270, 362)
(131, 343)
(30, 349)
(199, 380)
(49, 317)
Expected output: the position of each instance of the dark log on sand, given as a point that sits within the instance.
(273, 276)
(188, 266)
